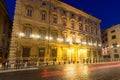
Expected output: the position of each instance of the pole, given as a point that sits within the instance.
(49, 30)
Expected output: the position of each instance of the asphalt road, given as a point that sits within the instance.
(67, 72)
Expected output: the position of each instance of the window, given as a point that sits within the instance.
(64, 22)
(115, 51)
(114, 37)
(54, 53)
(103, 41)
(72, 15)
(64, 12)
(96, 31)
(72, 25)
(44, 4)
(28, 31)
(42, 34)
(29, 12)
(112, 31)
(80, 26)
(106, 39)
(54, 8)
(86, 28)
(55, 19)
(91, 29)
(26, 52)
(114, 45)
(116, 55)
(43, 15)
(41, 53)
(80, 18)
(55, 35)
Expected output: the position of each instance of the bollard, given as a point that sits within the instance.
(64, 62)
(59, 63)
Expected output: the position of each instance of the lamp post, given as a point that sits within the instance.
(48, 38)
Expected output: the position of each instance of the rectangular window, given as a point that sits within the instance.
(112, 31)
(114, 37)
(41, 54)
(114, 45)
(55, 35)
(116, 55)
(54, 53)
(29, 12)
(106, 39)
(26, 52)
(28, 32)
(55, 20)
(42, 34)
(115, 51)
(72, 25)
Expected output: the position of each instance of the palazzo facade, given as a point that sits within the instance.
(111, 42)
(48, 30)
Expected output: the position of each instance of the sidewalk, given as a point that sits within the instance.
(15, 70)
(34, 68)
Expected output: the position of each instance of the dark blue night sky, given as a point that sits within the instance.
(106, 10)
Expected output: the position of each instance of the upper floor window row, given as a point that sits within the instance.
(43, 15)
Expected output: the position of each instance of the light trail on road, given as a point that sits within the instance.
(71, 70)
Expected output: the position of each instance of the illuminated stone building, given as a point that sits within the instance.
(111, 42)
(5, 31)
(48, 30)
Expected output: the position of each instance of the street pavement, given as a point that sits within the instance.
(109, 71)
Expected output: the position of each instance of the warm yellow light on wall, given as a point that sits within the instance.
(21, 34)
(83, 53)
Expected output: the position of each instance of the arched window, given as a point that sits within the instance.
(29, 11)
(28, 31)
(64, 22)
(80, 26)
(72, 25)
(86, 28)
(43, 4)
(55, 19)
(43, 15)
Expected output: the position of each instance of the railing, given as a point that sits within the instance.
(37, 62)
